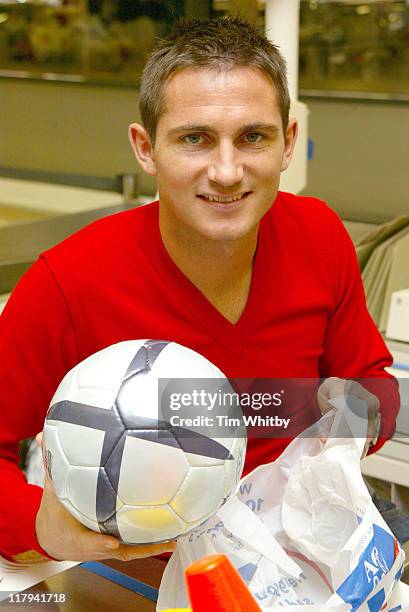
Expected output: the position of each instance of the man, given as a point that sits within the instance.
(263, 284)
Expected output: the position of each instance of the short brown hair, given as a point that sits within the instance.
(220, 44)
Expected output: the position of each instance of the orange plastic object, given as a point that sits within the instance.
(214, 586)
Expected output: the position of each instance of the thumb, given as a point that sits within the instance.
(331, 387)
(99, 541)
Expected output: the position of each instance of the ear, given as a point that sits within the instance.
(142, 147)
(290, 140)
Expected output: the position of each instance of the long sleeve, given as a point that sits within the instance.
(37, 347)
(353, 346)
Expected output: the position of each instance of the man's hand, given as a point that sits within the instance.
(66, 539)
(335, 387)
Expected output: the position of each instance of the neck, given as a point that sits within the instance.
(220, 269)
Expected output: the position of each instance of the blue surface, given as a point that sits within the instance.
(122, 579)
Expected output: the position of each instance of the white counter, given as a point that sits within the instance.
(56, 199)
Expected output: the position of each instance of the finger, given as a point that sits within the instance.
(100, 543)
(357, 390)
(97, 542)
(331, 387)
(128, 552)
(39, 439)
(324, 406)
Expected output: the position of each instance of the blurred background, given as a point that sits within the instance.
(69, 74)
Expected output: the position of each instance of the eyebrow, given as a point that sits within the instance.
(206, 128)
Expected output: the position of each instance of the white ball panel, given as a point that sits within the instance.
(96, 380)
(67, 387)
(202, 460)
(140, 393)
(150, 472)
(101, 398)
(94, 396)
(217, 373)
(200, 494)
(82, 490)
(54, 454)
(82, 445)
(106, 368)
(177, 361)
(145, 525)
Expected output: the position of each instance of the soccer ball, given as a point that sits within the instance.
(116, 465)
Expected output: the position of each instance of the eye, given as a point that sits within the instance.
(253, 137)
(193, 139)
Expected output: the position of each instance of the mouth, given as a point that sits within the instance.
(224, 202)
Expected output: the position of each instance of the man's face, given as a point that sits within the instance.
(219, 151)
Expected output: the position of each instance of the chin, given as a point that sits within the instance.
(225, 233)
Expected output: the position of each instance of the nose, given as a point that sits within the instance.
(225, 167)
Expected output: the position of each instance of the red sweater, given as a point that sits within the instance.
(113, 281)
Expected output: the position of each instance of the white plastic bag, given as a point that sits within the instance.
(302, 530)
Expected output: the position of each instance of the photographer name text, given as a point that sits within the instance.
(224, 421)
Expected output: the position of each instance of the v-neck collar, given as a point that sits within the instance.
(196, 303)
